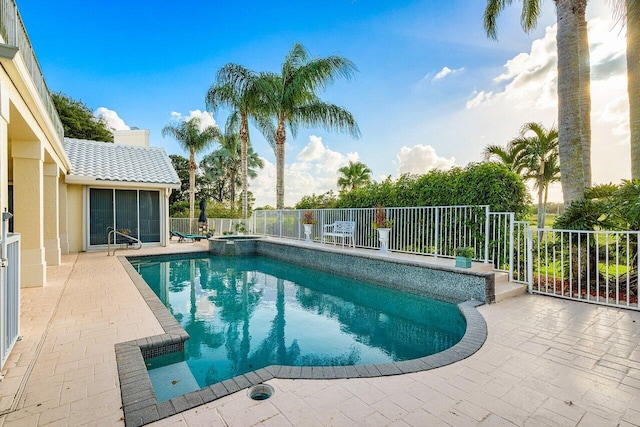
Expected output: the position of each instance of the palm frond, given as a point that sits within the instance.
(328, 116)
(530, 14)
(491, 14)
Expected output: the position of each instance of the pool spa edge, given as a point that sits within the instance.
(139, 401)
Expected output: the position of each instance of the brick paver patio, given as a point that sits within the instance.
(546, 362)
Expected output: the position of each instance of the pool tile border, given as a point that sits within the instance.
(139, 401)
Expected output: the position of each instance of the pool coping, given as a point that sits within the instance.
(139, 401)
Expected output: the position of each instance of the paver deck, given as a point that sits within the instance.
(546, 362)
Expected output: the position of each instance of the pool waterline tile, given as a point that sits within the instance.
(130, 358)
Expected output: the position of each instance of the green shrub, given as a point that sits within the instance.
(477, 184)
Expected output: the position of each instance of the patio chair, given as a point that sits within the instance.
(182, 236)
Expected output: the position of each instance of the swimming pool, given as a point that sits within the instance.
(246, 313)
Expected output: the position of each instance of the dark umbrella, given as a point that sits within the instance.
(203, 210)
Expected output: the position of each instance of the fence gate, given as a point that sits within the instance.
(9, 293)
(599, 267)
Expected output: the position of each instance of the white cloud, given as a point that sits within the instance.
(206, 118)
(111, 118)
(478, 98)
(315, 170)
(527, 91)
(447, 71)
(420, 159)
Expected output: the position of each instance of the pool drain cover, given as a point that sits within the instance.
(260, 392)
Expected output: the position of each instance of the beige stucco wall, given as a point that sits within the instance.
(74, 217)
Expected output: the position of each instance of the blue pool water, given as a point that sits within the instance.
(245, 313)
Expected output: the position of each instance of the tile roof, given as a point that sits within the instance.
(105, 161)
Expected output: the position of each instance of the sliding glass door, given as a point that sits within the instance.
(136, 211)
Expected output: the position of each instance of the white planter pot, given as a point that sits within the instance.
(383, 237)
(307, 232)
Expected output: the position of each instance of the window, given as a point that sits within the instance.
(137, 211)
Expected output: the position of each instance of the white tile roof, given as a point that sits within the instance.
(105, 161)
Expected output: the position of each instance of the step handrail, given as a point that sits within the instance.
(117, 233)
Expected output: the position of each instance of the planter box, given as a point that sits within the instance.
(463, 262)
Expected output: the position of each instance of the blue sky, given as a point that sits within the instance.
(431, 91)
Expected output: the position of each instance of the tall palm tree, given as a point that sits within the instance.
(225, 163)
(572, 106)
(539, 151)
(354, 175)
(240, 90)
(632, 8)
(194, 140)
(510, 156)
(628, 12)
(293, 101)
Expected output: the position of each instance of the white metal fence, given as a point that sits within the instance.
(214, 225)
(9, 297)
(427, 230)
(594, 266)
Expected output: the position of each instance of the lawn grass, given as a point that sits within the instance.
(549, 219)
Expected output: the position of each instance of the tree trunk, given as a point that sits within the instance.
(244, 139)
(192, 186)
(232, 191)
(569, 140)
(633, 84)
(281, 138)
(540, 202)
(585, 92)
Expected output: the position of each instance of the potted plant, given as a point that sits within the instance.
(240, 228)
(307, 221)
(463, 256)
(383, 225)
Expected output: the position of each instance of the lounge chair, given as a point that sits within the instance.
(182, 236)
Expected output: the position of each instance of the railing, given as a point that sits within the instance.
(14, 33)
(128, 240)
(9, 297)
(519, 255)
(214, 225)
(427, 230)
(593, 266)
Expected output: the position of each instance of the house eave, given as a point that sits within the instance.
(92, 181)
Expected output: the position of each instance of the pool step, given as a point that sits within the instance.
(506, 289)
(509, 290)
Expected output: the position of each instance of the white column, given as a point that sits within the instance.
(4, 148)
(51, 214)
(63, 217)
(28, 206)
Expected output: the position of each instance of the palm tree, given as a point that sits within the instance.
(539, 151)
(633, 82)
(225, 163)
(354, 175)
(628, 12)
(510, 156)
(240, 90)
(293, 101)
(194, 140)
(572, 105)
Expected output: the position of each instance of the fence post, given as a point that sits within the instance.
(487, 226)
(511, 239)
(529, 250)
(437, 231)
